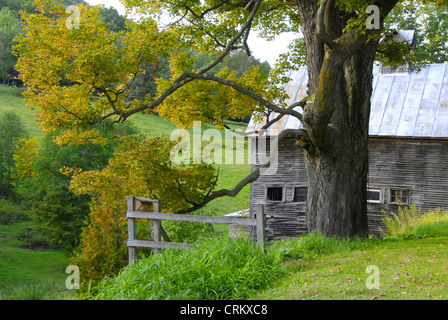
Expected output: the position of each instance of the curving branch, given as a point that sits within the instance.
(321, 26)
(300, 103)
(237, 87)
(253, 176)
(244, 29)
(188, 77)
(203, 13)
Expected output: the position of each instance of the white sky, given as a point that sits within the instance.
(263, 50)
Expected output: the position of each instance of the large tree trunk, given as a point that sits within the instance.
(340, 67)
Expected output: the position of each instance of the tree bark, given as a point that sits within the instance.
(340, 67)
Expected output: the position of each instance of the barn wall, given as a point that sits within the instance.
(418, 165)
(286, 218)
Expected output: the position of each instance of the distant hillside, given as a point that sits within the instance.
(229, 174)
(12, 100)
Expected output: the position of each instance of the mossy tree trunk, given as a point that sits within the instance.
(340, 67)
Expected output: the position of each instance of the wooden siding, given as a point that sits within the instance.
(285, 218)
(415, 164)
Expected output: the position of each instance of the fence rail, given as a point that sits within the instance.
(143, 208)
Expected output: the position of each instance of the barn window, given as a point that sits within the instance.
(274, 194)
(399, 196)
(300, 194)
(374, 195)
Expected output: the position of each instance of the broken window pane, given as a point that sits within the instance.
(300, 194)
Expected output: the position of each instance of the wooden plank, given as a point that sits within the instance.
(132, 230)
(146, 205)
(146, 199)
(191, 218)
(157, 233)
(261, 225)
(156, 244)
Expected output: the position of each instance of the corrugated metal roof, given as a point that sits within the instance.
(403, 104)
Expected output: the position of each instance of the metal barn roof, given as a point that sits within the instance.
(407, 104)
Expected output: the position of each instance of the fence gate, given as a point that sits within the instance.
(144, 208)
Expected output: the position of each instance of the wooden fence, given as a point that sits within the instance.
(143, 208)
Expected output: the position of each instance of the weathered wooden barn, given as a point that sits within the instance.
(408, 151)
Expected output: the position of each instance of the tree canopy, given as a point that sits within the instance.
(430, 23)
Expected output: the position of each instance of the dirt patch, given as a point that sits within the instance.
(33, 247)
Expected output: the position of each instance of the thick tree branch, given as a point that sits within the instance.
(300, 103)
(237, 87)
(321, 28)
(178, 83)
(188, 77)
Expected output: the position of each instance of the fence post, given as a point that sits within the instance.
(261, 225)
(157, 226)
(132, 229)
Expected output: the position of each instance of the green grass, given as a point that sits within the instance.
(30, 274)
(411, 222)
(12, 100)
(408, 269)
(412, 263)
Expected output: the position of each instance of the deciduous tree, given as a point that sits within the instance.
(12, 130)
(9, 29)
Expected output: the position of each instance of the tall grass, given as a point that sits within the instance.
(412, 222)
(218, 269)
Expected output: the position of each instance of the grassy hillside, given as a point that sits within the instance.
(229, 174)
(310, 267)
(30, 274)
(12, 100)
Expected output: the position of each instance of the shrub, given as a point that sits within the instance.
(33, 239)
(189, 232)
(412, 222)
(431, 230)
(219, 268)
(11, 213)
(136, 169)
